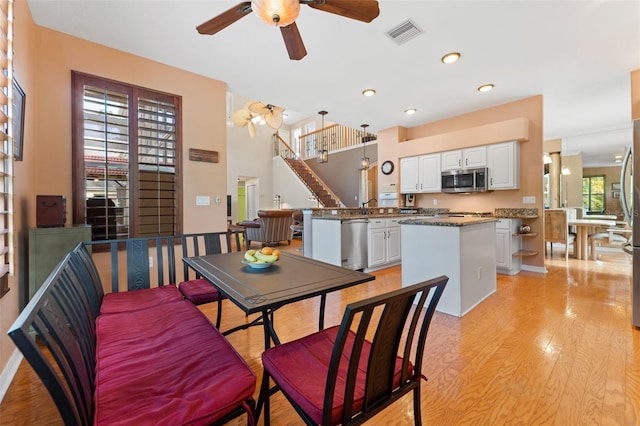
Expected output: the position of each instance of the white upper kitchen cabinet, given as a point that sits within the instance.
(420, 174)
(409, 175)
(468, 158)
(430, 173)
(503, 161)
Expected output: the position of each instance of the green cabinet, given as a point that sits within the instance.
(47, 246)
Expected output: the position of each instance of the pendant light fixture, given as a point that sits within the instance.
(323, 153)
(364, 160)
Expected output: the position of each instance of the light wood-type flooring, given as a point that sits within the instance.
(555, 348)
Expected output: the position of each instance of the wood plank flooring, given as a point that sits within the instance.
(555, 348)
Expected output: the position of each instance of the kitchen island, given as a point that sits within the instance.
(462, 248)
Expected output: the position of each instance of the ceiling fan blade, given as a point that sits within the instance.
(361, 10)
(225, 19)
(293, 41)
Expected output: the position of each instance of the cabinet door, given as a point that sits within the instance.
(503, 161)
(474, 157)
(503, 249)
(409, 175)
(451, 160)
(393, 244)
(377, 247)
(430, 173)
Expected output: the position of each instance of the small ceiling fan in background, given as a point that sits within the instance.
(283, 14)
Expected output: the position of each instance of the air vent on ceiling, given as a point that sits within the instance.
(404, 32)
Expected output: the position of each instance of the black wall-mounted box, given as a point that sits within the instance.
(51, 211)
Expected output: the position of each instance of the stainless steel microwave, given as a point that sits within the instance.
(465, 180)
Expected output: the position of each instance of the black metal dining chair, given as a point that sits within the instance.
(337, 376)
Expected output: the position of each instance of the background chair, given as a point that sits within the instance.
(336, 376)
(556, 229)
(271, 227)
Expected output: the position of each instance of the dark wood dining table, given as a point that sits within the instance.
(292, 278)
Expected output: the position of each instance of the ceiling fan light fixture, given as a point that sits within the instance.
(278, 12)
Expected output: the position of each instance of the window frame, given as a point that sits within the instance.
(590, 194)
(79, 80)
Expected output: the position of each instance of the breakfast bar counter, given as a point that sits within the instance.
(462, 248)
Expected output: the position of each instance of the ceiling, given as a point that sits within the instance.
(577, 54)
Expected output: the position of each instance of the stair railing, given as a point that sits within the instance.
(283, 149)
(335, 137)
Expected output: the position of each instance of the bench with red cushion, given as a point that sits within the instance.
(144, 358)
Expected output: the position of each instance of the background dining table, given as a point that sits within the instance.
(584, 227)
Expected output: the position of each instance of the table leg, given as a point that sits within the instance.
(583, 243)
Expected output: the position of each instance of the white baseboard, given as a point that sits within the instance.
(6, 376)
(538, 269)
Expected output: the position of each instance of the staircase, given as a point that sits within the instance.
(324, 195)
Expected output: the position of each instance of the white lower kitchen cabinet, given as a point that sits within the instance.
(507, 245)
(384, 243)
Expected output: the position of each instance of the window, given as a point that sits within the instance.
(6, 153)
(593, 194)
(126, 156)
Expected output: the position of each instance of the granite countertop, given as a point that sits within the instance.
(448, 221)
(366, 216)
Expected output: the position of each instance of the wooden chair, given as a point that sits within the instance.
(556, 230)
(336, 376)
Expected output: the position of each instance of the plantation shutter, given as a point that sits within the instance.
(157, 166)
(126, 143)
(6, 153)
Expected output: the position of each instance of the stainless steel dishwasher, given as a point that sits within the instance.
(354, 243)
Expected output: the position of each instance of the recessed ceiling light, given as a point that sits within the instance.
(618, 156)
(485, 88)
(450, 58)
(410, 111)
(285, 115)
(618, 161)
(368, 92)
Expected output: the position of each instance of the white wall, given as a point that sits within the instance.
(294, 194)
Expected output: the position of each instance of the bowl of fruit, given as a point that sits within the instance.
(261, 259)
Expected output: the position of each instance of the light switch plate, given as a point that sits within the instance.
(203, 200)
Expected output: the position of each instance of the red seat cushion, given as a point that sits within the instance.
(166, 366)
(125, 301)
(300, 368)
(199, 291)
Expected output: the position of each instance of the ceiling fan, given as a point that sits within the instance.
(283, 14)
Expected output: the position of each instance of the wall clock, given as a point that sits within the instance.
(387, 167)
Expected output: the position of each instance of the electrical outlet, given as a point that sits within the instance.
(529, 200)
(435, 202)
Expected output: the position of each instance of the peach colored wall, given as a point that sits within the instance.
(25, 65)
(203, 119)
(43, 63)
(521, 120)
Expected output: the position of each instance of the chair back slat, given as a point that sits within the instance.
(203, 244)
(137, 254)
(398, 323)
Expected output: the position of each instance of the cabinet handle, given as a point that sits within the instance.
(459, 162)
(466, 161)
